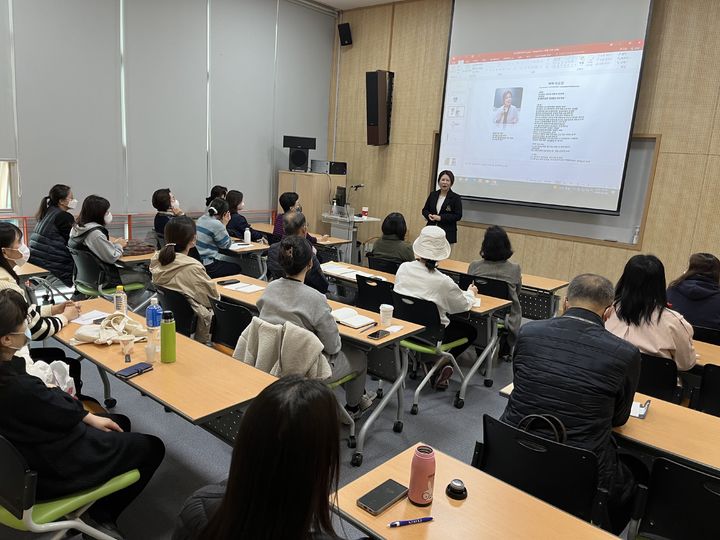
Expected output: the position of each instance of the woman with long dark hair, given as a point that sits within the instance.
(284, 470)
(696, 294)
(641, 315)
(174, 269)
(444, 207)
(49, 239)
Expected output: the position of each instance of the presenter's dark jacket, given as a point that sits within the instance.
(450, 213)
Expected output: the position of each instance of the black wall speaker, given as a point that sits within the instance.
(379, 87)
(299, 147)
(345, 34)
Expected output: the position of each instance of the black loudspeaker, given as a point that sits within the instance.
(345, 34)
(299, 147)
(379, 87)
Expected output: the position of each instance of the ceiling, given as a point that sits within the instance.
(343, 5)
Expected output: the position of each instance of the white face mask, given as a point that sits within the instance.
(175, 204)
(108, 218)
(24, 255)
(28, 338)
(72, 204)
(242, 205)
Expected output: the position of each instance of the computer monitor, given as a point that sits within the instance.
(340, 196)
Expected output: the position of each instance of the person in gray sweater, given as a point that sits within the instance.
(289, 299)
(495, 252)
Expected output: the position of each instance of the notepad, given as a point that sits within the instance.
(330, 268)
(476, 303)
(639, 410)
(90, 317)
(350, 317)
(236, 246)
(244, 287)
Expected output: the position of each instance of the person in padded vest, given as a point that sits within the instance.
(90, 232)
(48, 241)
(696, 294)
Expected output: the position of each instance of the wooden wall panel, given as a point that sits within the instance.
(707, 226)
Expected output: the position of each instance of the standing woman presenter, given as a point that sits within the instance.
(444, 207)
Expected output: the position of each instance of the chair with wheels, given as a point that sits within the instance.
(707, 335)
(229, 321)
(681, 503)
(383, 265)
(20, 510)
(561, 475)
(372, 292)
(94, 278)
(706, 398)
(658, 378)
(185, 318)
(430, 341)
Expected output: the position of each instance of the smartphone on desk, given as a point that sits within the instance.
(378, 334)
(228, 282)
(134, 370)
(382, 497)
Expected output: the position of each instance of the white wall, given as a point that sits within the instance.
(68, 86)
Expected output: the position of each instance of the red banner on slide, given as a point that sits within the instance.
(567, 50)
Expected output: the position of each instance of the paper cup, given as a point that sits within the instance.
(386, 313)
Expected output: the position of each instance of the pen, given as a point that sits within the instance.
(369, 326)
(402, 523)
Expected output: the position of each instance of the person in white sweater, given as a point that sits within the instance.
(421, 279)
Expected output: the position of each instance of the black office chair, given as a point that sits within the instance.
(658, 378)
(185, 318)
(383, 265)
(681, 503)
(706, 398)
(561, 475)
(707, 335)
(487, 286)
(372, 292)
(228, 323)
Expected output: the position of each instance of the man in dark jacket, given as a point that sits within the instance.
(295, 225)
(573, 368)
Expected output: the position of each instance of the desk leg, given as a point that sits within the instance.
(262, 266)
(396, 388)
(110, 401)
(554, 304)
(488, 355)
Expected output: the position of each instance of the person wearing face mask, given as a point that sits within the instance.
(167, 207)
(174, 269)
(70, 449)
(237, 224)
(49, 239)
(212, 236)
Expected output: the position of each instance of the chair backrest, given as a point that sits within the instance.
(681, 503)
(561, 475)
(424, 312)
(707, 335)
(87, 270)
(185, 318)
(708, 398)
(229, 321)
(373, 292)
(487, 286)
(17, 489)
(384, 265)
(658, 378)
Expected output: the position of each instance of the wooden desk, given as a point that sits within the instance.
(493, 509)
(28, 270)
(135, 259)
(267, 228)
(537, 298)
(708, 353)
(202, 384)
(254, 247)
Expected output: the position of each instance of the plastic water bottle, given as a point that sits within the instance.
(422, 476)
(153, 318)
(167, 338)
(247, 237)
(120, 300)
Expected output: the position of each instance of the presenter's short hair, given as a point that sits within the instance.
(450, 175)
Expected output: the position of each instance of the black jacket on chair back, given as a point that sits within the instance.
(48, 247)
(572, 367)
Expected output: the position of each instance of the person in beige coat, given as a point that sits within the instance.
(174, 269)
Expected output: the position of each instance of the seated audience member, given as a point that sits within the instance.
(212, 237)
(70, 449)
(295, 226)
(392, 246)
(90, 232)
(573, 368)
(421, 279)
(284, 471)
(289, 203)
(696, 294)
(495, 252)
(167, 207)
(217, 192)
(174, 269)
(49, 239)
(237, 224)
(641, 315)
(290, 299)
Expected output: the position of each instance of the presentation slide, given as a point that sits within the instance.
(543, 125)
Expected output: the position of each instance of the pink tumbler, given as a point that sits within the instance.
(422, 476)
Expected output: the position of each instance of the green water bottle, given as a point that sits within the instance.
(167, 338)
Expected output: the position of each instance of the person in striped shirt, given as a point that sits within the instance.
(212, 236)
